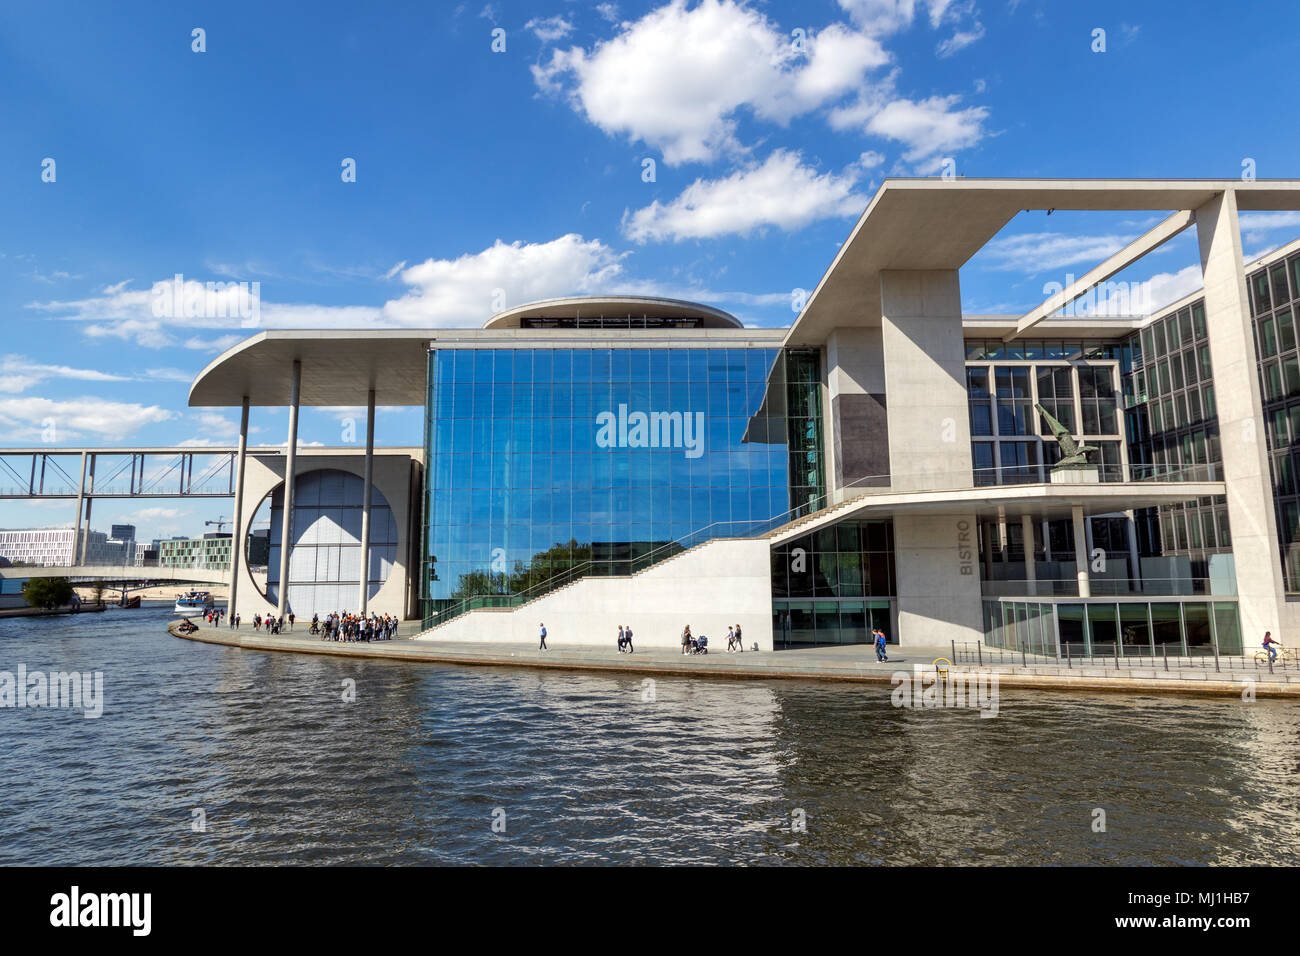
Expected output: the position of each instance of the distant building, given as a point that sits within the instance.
(122, 532)
(146, 555)
(210, 552)
(259, 547)
(53, 547)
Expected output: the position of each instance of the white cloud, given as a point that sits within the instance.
(678, 79)
(881, 17)
(169, 375)
(929, 127)
(19, 373)
(781, 192)
(960, 40)
(27, 418)
(1045, 251)
(549, 29)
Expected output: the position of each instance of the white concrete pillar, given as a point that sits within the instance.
(367, 489)
(81, 500)
(85, 538)
(1240, 411)
(924, 358)
(290, 464)
(1031, 573)
(1080, 551)
(237, 539)
(1134, 559)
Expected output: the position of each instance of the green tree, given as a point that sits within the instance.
(48, 593)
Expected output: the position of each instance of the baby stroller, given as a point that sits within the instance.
(700, 645)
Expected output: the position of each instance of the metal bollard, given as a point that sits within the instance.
(1164, 649)
(979, 649)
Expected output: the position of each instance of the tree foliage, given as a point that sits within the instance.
(48, 593)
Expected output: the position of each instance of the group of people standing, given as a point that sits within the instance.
(353, 628)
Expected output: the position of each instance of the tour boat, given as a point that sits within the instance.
(194, 602)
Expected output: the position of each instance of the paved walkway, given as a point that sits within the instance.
(852, 663)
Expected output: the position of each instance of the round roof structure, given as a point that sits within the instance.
(595, 311)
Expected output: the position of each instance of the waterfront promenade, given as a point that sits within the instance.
(855, 663)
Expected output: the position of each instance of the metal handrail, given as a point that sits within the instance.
(829, 501)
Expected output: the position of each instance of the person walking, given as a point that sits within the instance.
(620, 639)
(686, 639)
(627, 639)
(740, 640)
(880, 645)
(731, 639)
(1271, 646)
(541, 633)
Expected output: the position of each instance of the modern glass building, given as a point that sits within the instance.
(886, 461)
(602, 441)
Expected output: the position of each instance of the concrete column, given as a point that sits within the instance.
(1080, 551)
(290, 464)
(237, 540)
(1134, 559)
(1240, 411)
(85, 538)
(988, 549)
(1031, 573)
(937, 578)
(367, 490)
(924, 353)
(81, 500)
(857, 426)
(924, 366)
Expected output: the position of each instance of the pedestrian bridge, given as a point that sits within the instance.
(123, 575)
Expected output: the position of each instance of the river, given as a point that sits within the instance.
(213, 755)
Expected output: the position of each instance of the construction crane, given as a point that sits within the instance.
(221, 523)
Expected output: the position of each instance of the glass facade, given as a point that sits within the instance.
(1091, 628)
(1010, 442)
(1173, 433)
(834, 585)
(545, 463)
(1275, 308)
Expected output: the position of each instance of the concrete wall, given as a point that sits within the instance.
(859, 427)
(925, 380)
(724, 582)
(393, 476)
(1240, 412)
(936, 567)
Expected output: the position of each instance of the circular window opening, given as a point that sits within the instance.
(325, 543)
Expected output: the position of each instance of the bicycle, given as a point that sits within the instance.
(1285, 655)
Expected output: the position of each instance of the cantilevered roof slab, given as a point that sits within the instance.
(941, 224)
(339, 367)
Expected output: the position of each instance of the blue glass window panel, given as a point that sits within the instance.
(543, 363)
(677, 366)
(601, 363)
(698, 364)
(639, 396)
(581, 365)
(562, 371)
(482, 366)
(522, 365)
(638, 366)
(659, 365)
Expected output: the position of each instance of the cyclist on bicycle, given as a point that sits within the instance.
(1270, 645)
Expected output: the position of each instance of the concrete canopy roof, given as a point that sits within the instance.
(940, 224)
(339, 367)
(618, 306)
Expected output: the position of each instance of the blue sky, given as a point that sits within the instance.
(485, 177)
